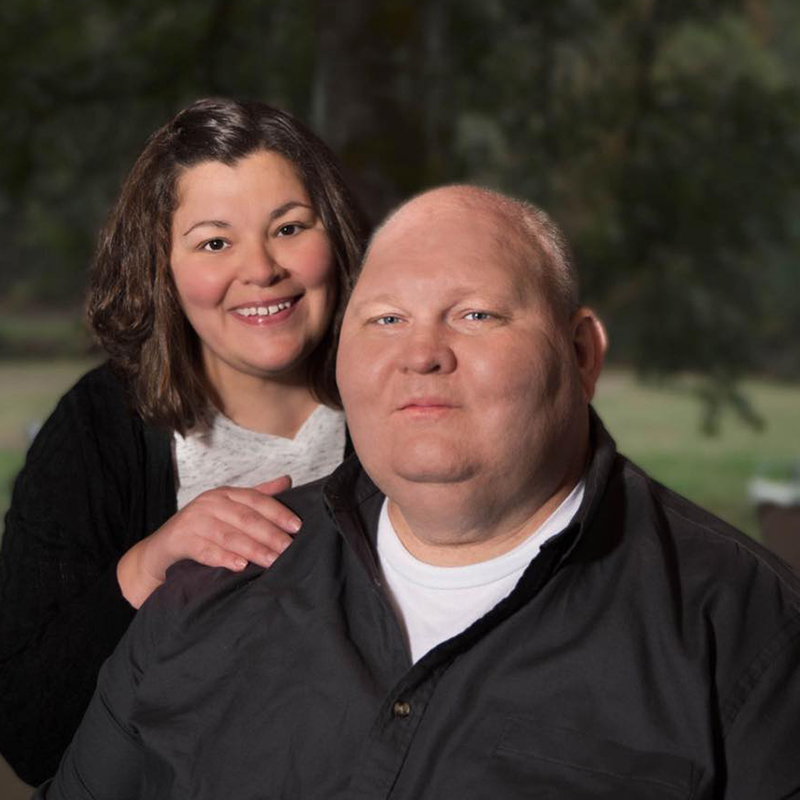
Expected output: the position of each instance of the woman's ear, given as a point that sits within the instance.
(590, 341)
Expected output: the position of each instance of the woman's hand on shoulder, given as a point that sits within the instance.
(223, 527)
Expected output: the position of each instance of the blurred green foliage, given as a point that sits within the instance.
(662, 134)
(43, 334)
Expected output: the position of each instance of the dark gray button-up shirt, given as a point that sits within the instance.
(649, 651)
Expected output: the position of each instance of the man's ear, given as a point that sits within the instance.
(590, 341)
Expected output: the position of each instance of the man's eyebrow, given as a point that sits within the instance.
(373, 299)
(273, 215)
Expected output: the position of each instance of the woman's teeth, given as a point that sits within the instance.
(264, 311)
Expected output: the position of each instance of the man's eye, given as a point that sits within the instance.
(387, 319)
(478, 316)
(214, 245)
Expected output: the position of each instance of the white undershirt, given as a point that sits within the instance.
(435, 603)
(228, 455)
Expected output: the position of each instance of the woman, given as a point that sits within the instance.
(215, 290)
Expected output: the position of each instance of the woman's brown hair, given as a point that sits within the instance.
(133, 305)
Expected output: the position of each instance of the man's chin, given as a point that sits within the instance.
(417, 462)
(436, 474)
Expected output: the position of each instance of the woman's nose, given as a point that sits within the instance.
(259, 266)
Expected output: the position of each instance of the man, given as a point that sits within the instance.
(491, 603)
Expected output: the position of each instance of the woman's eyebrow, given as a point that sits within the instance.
(281, 210)
(214, 223)
(273, 215)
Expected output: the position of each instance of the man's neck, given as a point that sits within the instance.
(453, 530)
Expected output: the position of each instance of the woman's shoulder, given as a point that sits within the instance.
(94, 432)
(96, 409)
(101, 380)
(101, 394)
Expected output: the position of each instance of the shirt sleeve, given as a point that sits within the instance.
(106, 758)
(61, 609)
(762, 743)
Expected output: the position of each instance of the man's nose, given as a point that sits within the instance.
(259, 265)
(428, 350)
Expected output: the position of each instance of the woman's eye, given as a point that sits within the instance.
(478, 316)
(214, 245)
(387, 319)
(288, 230)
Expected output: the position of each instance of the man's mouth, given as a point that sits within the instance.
(422, 404)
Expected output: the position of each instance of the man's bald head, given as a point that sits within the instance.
(526, 234)
(466, 372)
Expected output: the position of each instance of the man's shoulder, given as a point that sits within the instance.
(700, 538)
(308, 500)
(191, 585)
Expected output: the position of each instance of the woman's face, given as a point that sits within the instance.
(253, 267)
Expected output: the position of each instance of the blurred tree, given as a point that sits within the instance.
(81, 87)
(380, 92)
(661, 134)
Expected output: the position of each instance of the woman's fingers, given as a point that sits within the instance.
(266, 506)
(250, 537)
(276, 485)
(241, 529)
(232, 549)
(242, 521)
(223, 527)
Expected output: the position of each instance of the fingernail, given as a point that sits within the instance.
(241, 563)
(294, 524)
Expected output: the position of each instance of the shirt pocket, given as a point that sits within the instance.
(563, 763)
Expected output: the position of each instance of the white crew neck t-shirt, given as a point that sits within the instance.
(228, 455)
(435, 603)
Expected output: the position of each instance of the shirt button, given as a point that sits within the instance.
(401, 709)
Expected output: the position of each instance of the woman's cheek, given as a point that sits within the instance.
(318, 263)
(201, 287)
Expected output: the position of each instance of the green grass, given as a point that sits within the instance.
(658, 427)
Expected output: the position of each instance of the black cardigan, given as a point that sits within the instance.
(96, 480)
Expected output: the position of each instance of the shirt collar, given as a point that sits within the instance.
(355, 501)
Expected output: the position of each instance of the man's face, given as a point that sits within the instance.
(452, 367)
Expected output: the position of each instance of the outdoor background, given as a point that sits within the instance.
(663, 135)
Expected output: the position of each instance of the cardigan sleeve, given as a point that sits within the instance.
(79, 503)
(105, 756)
